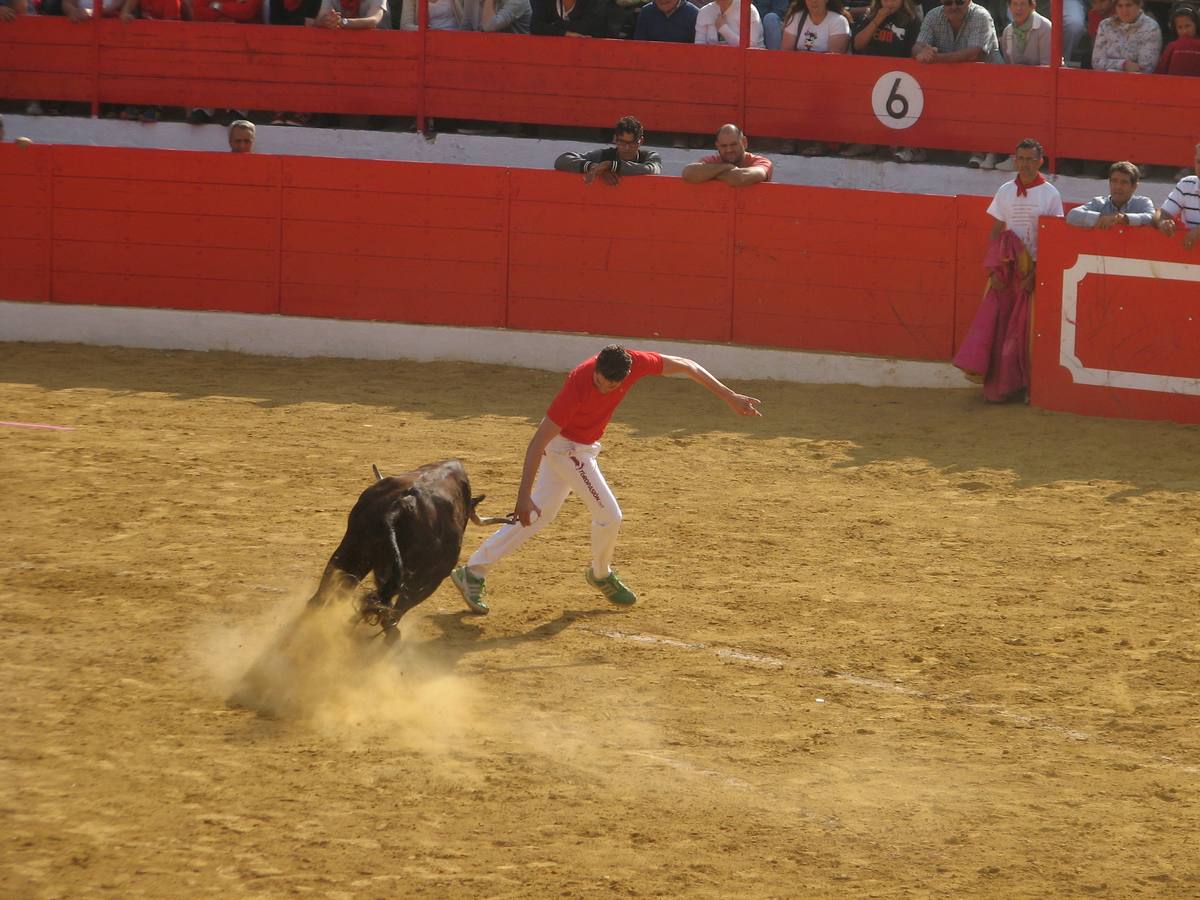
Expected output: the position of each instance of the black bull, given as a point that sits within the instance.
(406, 529)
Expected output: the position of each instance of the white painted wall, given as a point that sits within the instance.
(301, 337)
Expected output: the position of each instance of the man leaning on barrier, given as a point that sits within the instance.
(1121, 207)
(625, 157)
(732, 163)
(1184, 202)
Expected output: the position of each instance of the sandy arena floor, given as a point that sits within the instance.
(889, 643)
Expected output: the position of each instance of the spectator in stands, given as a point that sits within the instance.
(996, 347)
(772, 13)
(572, 18)
(81, 10)
(443, 15)
(1121, 207)
(1129, 41)
(294, 12)
(353, 14)
(625, 157)
(719, 24)
(732, 163)
(672, 21)
(1025, 42)
(889, 28)
(959, 32)
(10, 9)
(815, 26)
(512, 16)
(241, 136)
(1184, 202)
(1182, 55)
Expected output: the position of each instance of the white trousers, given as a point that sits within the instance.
(567, 467)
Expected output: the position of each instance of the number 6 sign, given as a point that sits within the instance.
(897, 100)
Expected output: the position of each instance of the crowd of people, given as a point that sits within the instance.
(1113, 35)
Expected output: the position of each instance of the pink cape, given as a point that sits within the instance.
(997, 343)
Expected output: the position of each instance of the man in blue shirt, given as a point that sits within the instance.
(667, 20)
(1121, 207)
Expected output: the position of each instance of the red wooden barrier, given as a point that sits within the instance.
(47, 58)
(25, 207)
(855, 271)
(520, 78)
(258, 67)
(649, 258)
(1111, 116)
(828, 97)
(165, 229)
(1117, 324)
(397, 242)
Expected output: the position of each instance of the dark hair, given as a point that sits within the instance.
(614, 362)
(1128, 168)
(1031, 144)
(629, 125)
(1183, 9)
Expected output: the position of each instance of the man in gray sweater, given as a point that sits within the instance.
(1121, 207)
(625, 157)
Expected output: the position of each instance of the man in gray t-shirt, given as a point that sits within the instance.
(512, 16)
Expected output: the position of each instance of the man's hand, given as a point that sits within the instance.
(1029, 281)
(331, 19)
(1167, 226)
(1130, 66)
(606, 171)
(926, 54)
(6, 14)
(527, 512)
(1189, 239)
(743, 405)
(1105, 222)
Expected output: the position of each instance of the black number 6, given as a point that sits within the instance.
(896, 99)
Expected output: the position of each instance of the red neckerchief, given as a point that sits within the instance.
(1022, 190)
(350, 9)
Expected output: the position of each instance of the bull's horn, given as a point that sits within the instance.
(494, 520)
(375, 469)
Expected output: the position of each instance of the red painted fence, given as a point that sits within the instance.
(1117, 327)
(521, 78)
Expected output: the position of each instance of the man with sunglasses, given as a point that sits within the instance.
(959, 32)
(625, 157)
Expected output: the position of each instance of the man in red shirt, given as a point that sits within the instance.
(561, 459)
(732, 163)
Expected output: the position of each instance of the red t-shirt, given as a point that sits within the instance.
(581, 411)
(748, 160)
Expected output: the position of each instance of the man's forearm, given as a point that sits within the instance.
(971, 54)
(700, 172)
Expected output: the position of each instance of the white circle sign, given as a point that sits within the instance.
(897, 100)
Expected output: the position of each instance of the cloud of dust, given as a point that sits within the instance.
(339, 678)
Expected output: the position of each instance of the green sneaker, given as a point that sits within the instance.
(612, 588)
(471, 589)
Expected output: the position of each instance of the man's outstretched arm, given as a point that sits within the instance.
(546, 432)
(739, 403)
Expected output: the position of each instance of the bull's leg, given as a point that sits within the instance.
(335, 584)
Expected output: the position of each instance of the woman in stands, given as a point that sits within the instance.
(816, 26)
(889, 28)
(1129, 41)
(1182, 55)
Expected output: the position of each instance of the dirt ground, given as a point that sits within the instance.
(889, 643)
